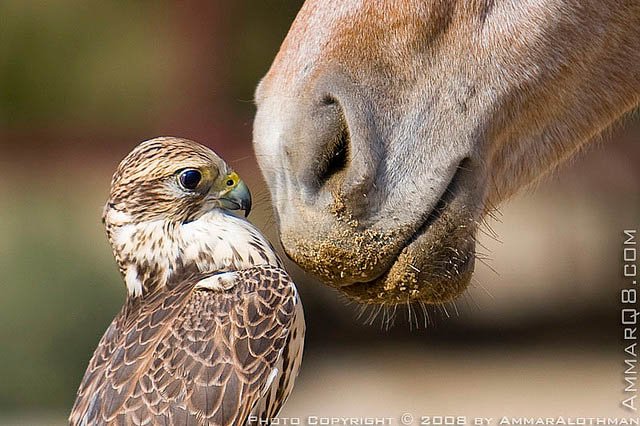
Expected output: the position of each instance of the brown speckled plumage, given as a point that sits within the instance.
(178, 353)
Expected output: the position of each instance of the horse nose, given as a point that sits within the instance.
(327, 151)
(334, 155)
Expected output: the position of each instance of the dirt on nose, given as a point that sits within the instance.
(342, 253)
(388, 267)
(342, 257)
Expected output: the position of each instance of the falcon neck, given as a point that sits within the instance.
(154, 254)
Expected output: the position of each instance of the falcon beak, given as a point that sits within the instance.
(239, 198)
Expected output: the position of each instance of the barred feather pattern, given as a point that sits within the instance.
(197, 357)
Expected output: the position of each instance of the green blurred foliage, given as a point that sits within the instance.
(79, 61)
(56, 270)
(258, 28)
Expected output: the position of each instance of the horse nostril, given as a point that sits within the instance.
(328, 100)
(335, 157)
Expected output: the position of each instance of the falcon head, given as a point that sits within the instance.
(168, 214)
(174, 180)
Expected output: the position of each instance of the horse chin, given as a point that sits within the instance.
(432, 264)
(435, 267)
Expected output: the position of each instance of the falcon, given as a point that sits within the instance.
(212, 329)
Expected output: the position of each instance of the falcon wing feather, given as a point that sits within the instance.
(190, 356)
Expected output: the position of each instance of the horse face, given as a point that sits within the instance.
(385, 128)
(372, 167)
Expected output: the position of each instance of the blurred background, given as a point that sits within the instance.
(81, 83)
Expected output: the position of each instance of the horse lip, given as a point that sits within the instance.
(446, 197)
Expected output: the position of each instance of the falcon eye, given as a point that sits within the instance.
(190, 178)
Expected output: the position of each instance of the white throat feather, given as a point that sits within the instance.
(152, 253)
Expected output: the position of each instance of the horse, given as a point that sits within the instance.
(388, 130)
